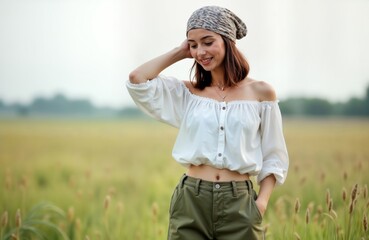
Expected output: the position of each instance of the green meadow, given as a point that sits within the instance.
(113, 180)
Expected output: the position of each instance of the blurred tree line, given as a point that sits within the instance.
(59, 105)
(322, 107)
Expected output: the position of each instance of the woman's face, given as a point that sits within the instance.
(207, 48)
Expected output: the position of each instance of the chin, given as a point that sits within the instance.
(208, 68)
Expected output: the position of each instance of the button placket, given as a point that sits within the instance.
(221, 133)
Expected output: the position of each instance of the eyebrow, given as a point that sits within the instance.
(204, 37)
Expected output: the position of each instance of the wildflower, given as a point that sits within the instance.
(78, 224)
(307, 216)
(330, 205)
(24, 182)
(70, 214)
(327, 197)
(352, 207)
(311, 206)
(297, 205)
(4, 219)
(344, 194)
(107, 202)
(18, 219)
(353, 193)
(155, 209)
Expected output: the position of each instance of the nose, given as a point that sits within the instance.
(201, 51)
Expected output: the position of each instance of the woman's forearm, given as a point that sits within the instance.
(152, 68)
(265, 191)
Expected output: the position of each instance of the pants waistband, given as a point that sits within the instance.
(233, 186)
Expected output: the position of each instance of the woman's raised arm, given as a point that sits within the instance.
(152, 68)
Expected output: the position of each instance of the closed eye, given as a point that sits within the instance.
(194, 46)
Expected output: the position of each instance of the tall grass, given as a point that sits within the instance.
(114, 179)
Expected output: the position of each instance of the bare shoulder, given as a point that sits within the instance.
(189, 85)
(263, 90)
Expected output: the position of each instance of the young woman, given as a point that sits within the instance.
(230, 129)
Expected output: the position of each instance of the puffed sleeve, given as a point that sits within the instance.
(274, 150)
(163, 98)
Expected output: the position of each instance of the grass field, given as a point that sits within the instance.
(81, 179)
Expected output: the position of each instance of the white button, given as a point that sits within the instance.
(217, 186)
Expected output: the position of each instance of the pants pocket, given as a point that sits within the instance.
(253, 202)
(174, 199)
(242, 219)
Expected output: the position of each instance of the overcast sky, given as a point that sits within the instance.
(86, 48)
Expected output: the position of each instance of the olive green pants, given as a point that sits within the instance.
(201, 210)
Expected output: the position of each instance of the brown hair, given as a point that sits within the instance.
(236, 68)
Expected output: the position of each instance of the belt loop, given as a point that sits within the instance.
(197, 187)
(234, 189)
(249, 186)
(183, 179)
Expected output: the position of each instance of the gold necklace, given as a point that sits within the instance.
(221, 87)
(218, 85)
(220, 95)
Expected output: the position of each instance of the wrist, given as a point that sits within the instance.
(262, 205)
(178, 54)
(263, 200)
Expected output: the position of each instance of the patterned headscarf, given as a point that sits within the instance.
(219, 20)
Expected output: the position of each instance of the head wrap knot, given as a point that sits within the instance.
(219, 20)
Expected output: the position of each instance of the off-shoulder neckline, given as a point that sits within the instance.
(212, 100)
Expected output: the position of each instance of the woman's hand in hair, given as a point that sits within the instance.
(185, 49)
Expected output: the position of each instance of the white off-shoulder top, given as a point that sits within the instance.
(244, 136)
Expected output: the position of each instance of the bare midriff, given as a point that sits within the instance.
(212, 174)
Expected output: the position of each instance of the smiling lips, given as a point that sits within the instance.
(205, 61)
